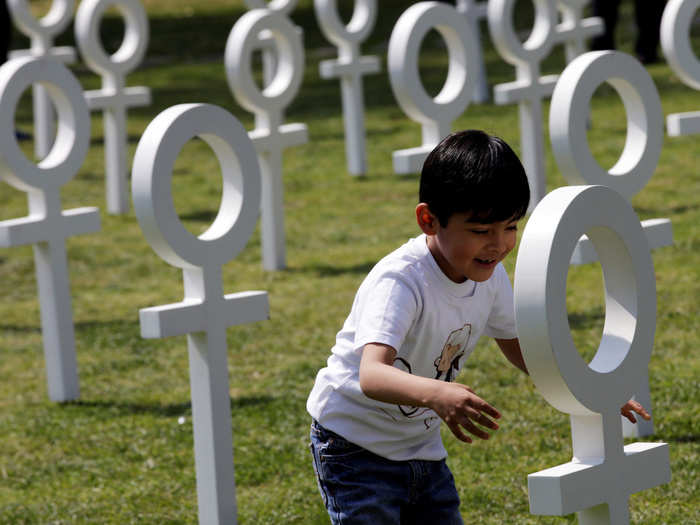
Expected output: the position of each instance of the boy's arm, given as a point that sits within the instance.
(456, 404)
(511, 349)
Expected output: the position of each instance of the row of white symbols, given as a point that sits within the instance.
(114, 98)
(205, 312)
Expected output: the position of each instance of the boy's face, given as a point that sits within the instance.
(470, 250)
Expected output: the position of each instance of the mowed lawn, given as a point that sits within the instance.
(123, 453)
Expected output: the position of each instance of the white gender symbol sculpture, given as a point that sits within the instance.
(568, 121)
(603, 473)
(205, 312)
(265, 40)
(475, 12)
(47, 226)
(41, 33)
(435, 114)
(270, 136)
(114, 98)
(349, 67)
(574, 30)
(675, 41)
(529, 88)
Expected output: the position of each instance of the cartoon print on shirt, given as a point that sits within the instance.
(447, 365)
(452, 351)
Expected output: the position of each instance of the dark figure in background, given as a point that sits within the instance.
(647, 14)
(5, 31)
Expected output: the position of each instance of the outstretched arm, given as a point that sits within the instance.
(456, 404)
(511, 349)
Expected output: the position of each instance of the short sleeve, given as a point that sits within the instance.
(387, 312)
(501, 320)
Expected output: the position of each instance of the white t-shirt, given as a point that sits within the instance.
(408, 303)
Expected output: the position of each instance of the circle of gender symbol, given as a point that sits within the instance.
(541, 39)
(239, 53)
(404, 49)
(357, 30)
(557, 368)
(569, 120)
(676, 26)
(240, 202)
(55, 21)
(73, 134)
(283, 6)
(133, 47)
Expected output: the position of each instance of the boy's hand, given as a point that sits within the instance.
(459, 407)
(632, 406)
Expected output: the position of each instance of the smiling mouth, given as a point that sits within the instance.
(485, 261)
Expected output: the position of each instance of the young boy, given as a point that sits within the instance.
(377, 406)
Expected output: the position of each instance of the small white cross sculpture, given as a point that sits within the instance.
(265, 40)
(574, 30)
(676, 24)
(530, 88)
(603, 473)
(475, 12)
(48, 226)
(434, 114)
(270, 136)
(349, 67)
(205, 312)
(568, 120)
(114, 98)
(41, 34)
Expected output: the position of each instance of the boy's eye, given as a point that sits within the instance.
(513, 228)
(479, 231)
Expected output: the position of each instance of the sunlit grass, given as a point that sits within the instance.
(123, 453)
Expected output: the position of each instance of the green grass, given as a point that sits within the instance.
(121, 455)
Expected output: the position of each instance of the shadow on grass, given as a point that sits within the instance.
(99, 141)
(684, 439)
(589, 319)
(672, 210)
(327, 270)
(175, 409)
(21, 329)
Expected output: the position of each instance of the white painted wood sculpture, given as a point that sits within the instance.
(48, 226)
(41, 33)
(114, 98)
(435, 114)
(205, 312)
(529, 88)
(265, 40)
(568, 127)
(475, 12)
(349, 67)
(603, 473)
(270, 136)
(676, 23)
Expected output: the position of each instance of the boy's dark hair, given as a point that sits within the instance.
(471, 171)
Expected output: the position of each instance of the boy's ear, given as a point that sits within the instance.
(426, 220)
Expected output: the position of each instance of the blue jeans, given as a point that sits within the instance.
(361, 488)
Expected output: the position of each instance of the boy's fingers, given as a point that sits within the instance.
(473, 429)
(459, 434)
(480, 418)
(483, 406)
